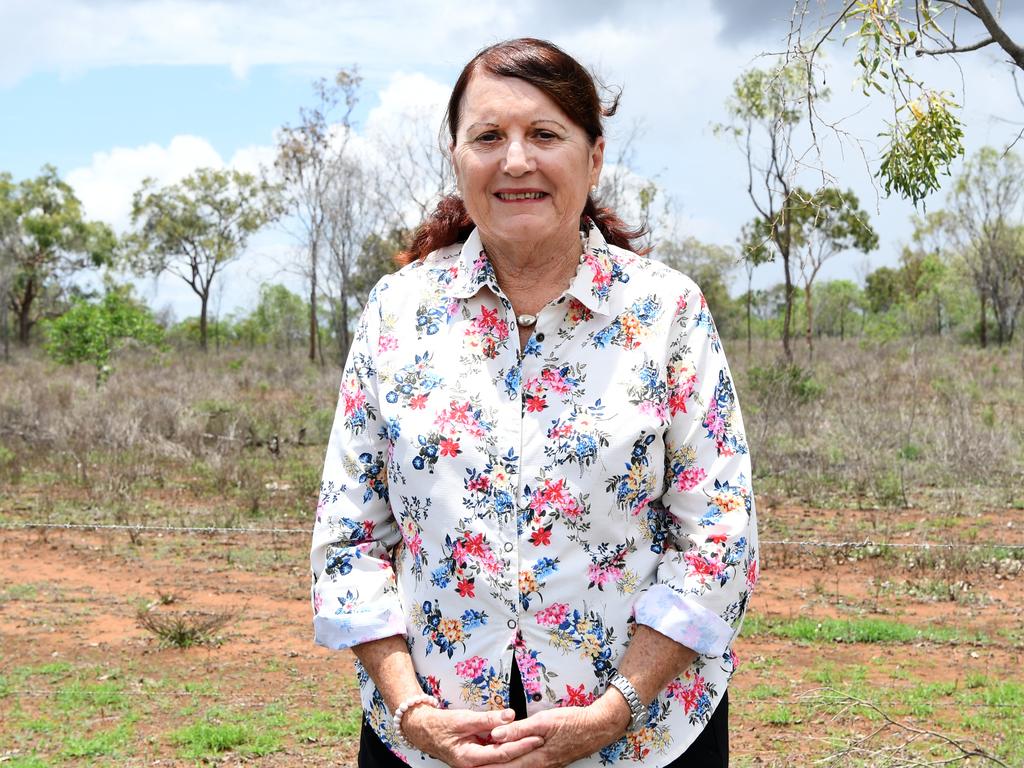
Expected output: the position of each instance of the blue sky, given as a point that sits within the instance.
(111, 90)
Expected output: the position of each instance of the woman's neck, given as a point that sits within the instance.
(533, 274)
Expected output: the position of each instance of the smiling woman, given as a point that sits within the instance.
(536, 529)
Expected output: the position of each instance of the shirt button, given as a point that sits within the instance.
(511, 623)
(540, 337)
(508, 546)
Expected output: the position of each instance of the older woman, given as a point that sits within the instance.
(536, 528)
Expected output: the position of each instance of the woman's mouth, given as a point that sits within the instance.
(517, 196)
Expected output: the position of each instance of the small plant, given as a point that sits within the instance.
(183, 630)
(788, 382)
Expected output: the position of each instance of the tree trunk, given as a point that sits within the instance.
(25, 313)
(984, 322)
(5, 327)
(313, 324)
(749, 345)
(785, 241)
(842, 323)
(810, 323)
(205, 297)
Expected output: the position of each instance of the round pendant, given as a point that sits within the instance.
(526, 320)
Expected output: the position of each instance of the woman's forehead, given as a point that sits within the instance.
(494, 99)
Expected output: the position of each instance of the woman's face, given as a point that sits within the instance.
(523, 167)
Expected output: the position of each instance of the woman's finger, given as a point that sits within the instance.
(479, 754)
(467, 721)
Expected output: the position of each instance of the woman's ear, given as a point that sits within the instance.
(596, 160)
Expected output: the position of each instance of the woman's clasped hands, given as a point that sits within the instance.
(549, 739)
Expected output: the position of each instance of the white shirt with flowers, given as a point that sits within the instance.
(489, 502)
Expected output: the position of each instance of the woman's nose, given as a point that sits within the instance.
(518, 159)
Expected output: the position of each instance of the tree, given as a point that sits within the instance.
(354, 215)
(925, 134)
(824, 224)
(195, 228)
(840, 302)
(45, 239)
(765, 110)
(986, 221)
(279, 316)
(91, 331)
(307, 158)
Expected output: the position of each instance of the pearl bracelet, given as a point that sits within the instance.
(405, 706)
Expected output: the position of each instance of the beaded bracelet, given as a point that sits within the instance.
(405, 706)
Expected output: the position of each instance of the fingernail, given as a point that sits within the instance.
(508, 715)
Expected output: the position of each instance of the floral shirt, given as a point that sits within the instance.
(490, 502)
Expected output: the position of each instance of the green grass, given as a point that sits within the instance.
(104, 743)
(223, 730)
(204, 739)
(319, 725)
(867, 630)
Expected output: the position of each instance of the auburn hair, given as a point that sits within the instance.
(567, 83)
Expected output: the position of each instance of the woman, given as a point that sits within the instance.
(536, 500)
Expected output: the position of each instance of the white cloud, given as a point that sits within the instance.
(107, 184)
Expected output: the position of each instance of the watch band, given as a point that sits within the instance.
(636, 707)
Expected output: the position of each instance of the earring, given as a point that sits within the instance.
(593, 189)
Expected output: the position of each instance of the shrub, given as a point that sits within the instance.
(91, 332)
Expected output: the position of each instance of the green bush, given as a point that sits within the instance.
(781, 381)
(92, 331)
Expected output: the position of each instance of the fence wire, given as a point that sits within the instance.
(817, 543)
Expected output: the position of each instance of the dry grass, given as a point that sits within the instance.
(933, 425)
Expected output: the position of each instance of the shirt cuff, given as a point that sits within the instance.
(684, 620)
(338, 632)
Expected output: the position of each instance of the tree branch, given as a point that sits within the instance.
(981, 10)
(954, 48)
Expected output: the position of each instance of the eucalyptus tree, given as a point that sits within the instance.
(195, 228)
(309, 159)
(44, 240)
(765, 110)
(924, 133)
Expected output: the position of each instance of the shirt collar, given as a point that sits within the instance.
(591, 284)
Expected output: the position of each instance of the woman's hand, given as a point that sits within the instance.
(568, 733)
(462, 737)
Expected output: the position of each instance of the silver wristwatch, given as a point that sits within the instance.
(636, 707)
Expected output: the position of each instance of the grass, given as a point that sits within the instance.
(183, 630)
(320, 725)
(225, 731)
(866, 630)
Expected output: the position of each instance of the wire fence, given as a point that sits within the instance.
(811, 697)
(810, 543)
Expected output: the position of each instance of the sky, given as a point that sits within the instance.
(113, 91)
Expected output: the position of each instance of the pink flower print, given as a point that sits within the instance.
(601, 576)
(690, 478)
(577, 697)
(752, 574)
(470, 668)
(554, 380)
(553, 615)
(479, 483)
(318, 601)
(386, 342)
(704, 567)
(354, 400)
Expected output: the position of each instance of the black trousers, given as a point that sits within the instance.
(710, 750)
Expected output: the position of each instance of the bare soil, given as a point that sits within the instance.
(73, 596)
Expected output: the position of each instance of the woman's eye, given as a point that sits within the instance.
(546, 135)
(490, 136)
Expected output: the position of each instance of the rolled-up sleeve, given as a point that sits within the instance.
(710, 564)
(354, 593)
